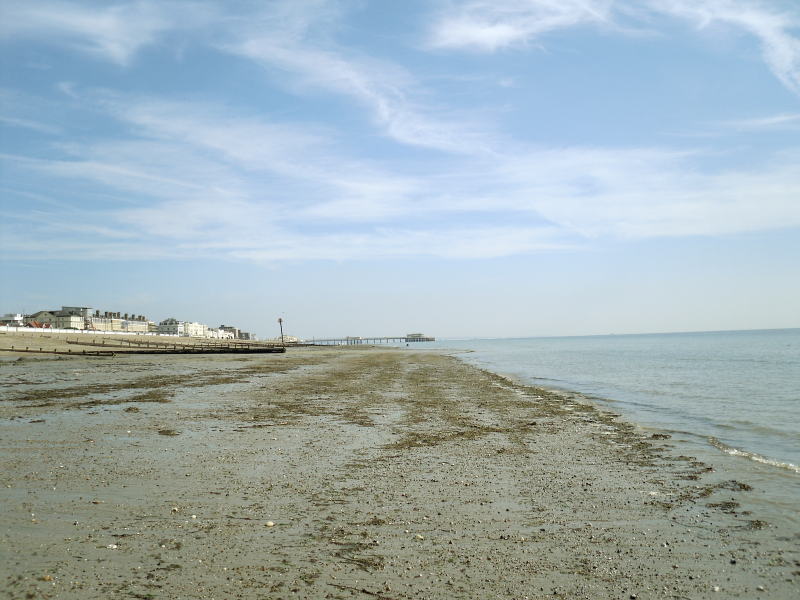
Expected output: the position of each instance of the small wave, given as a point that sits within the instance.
(753, 456)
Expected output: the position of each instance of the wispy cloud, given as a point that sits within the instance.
(646, 193)
(770, 22)
(296, 40)
(29, 124)
(191, 179)
(485, 25)
(189, 190)
(490, 25)
(112, 32)
(771, 123)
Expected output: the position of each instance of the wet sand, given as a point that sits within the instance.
(342, 473)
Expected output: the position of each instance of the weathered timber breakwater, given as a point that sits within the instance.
(62, 345)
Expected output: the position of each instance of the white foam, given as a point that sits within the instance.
(753, 456)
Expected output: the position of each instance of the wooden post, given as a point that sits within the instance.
(280, 323)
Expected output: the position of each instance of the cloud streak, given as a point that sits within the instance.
(205, 185)
(112, 32)
(489, 26)
(187, 179)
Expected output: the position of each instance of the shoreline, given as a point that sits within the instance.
(746, 439)
(387, 473)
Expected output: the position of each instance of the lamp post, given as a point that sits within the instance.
(280, 324)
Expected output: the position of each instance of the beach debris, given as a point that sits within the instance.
(419, 537)
(761, 588)
(715, 588)
(269, 524)
(112, 546)
(194, 516)
(175, 509)
(46, 578)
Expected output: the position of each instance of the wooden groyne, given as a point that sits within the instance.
(183, 350)
(54, 351)
(161, 348)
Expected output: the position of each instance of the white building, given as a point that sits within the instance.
(66, 320)
(218, 334)
(194, 329)
(12, 319)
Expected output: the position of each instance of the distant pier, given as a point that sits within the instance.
(353, 340)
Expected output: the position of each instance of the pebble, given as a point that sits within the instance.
(270, 524)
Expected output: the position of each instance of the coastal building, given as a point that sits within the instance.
(287, 339)
(115, 321)
(232, 330)
(12, 319)
(237, 333)
(171, 326)
(192, 329)
(67, 320)
(41, 317)
(86, 318)
(218, 334)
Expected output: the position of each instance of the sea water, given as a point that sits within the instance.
(732, 393)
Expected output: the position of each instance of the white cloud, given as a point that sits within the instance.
(646, 193)
(113, 32)
(29, 124)
(493, 24)
(490, 25)
(189, 179)
(543, 200)
(774, 122)
(771, 25)
(384, 88)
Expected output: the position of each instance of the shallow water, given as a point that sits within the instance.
(733, 394)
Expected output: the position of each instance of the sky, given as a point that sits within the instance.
(462, 168)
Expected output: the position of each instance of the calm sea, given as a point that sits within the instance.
(734, 393)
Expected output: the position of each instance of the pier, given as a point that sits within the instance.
(355, 340)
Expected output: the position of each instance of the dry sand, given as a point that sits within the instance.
(342, 473)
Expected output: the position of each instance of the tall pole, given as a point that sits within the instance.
(280, 323)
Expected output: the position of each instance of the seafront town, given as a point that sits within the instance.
(84, 318)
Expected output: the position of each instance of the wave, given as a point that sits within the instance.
(753, 456)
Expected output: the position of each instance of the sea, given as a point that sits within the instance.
(731, 398)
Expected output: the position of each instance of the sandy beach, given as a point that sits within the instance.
(354, 473)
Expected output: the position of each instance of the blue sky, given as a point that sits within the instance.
(463, 168)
